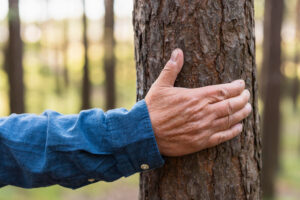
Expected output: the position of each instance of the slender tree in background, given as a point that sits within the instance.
(218, 40)
(295, 87)
(65, 50)
(272, 79)
(297, 60)
(57, 69)
(109, 54)
(13, 60)
(86, 85)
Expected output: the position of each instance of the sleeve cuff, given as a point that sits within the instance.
(133, 141)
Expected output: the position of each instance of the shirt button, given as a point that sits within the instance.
(91, 180)
(144, 166)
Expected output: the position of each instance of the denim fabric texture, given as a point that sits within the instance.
(76, 150)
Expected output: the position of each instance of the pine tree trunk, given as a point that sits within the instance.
(272, 79)
(218, 40)
(86, 85)
(109, 54)
(14, 58)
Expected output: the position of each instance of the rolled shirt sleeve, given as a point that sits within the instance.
(76, 150)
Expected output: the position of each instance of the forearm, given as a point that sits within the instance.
(75, 150)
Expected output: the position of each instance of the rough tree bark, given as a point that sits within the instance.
(272, 79)
(86, 85)
(109, 54)
(218, 40)
(14, 59)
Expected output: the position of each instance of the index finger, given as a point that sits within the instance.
(216, 93)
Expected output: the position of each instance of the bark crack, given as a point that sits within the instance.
(218, 61)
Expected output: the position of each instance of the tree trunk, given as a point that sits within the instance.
(266, 44)
(57, 71)
(297, 60)
(218, 40)
(109, 54)
(271, 97)
(65, 52)
(295, 87)
(14, 58)
(86, 85)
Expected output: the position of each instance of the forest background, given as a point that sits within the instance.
(52, 32)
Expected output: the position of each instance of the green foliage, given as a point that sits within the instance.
(259, 6)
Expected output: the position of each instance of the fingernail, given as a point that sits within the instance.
(240, 127)
(174, 55)
(247, 93)
(240, 82)
(249, 107)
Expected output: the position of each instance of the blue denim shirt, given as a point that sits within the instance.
(76, 150)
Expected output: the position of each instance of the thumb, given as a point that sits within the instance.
(169, 74)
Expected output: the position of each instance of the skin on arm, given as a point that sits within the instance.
(189, 120)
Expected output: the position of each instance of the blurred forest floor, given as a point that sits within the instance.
(288, 183)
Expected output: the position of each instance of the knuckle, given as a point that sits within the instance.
(190, 128)
(167, 69)
(229, 107)
(193, 100)
(217, 94)
(190, 113)
(206, 112)
(222, 93)
(195, 117)
(229, 121)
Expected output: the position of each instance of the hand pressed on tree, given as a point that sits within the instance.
(189, 120)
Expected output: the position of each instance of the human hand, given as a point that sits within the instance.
(189, 120)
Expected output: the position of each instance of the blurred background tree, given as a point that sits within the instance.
(14, 59)
(109, 54)
(47, 43)
(295, 87)
(271, 80)
(86, 85)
